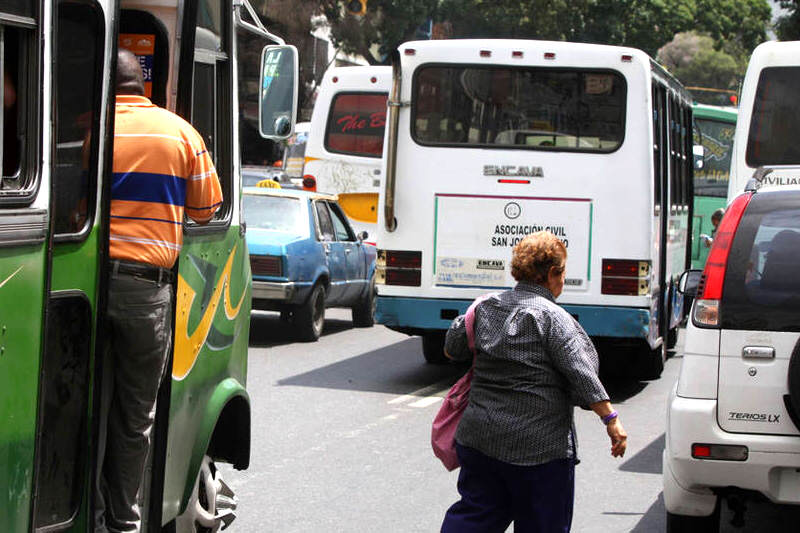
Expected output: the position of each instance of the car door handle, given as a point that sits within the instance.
(347, 250)
(758, 352)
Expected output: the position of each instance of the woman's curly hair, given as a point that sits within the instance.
(535, 255)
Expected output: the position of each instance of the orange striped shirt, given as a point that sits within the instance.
(161, 168)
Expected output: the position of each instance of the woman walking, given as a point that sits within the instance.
(516, 441)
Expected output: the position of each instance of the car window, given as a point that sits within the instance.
(325, 223)
(275, 213)
(762, 288)
(339, 224)
(356, 124)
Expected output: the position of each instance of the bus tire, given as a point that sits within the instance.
(309, 319)
(651, 362)
(211, 506)
(672, 338)
(364, 311)
(433, 348)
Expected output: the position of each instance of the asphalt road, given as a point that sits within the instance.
(341, 441)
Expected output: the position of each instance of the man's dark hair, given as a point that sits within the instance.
(130, 79)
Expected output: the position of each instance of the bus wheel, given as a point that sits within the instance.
(212, 505)
(364, 311)
(651, 362)
(433, 348)
(310, 317)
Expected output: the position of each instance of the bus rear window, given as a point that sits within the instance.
(356, 123)
(535, 108)
(774, 128)
(717, 138)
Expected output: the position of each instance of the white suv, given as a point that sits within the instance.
(733, 416)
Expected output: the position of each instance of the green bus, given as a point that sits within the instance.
(714, 127)
(215, 64)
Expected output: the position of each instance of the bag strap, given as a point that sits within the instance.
(469, 322)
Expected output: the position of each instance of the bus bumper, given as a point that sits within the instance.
(414, 315)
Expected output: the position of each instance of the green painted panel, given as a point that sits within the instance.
(211, 338)
(21, 309)
(704, 206)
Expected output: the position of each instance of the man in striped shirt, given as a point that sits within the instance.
(161, 171)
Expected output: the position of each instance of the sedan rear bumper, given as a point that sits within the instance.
(274, 290)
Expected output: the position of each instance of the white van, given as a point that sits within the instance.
(768, 126)
(345, 141)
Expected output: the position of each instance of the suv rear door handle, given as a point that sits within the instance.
(758, 352)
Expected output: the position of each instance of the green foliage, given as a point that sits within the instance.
(645, 24)
(692, 59)
(788, 25)
(387, 24)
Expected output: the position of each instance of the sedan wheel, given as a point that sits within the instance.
(212, 505)
(310, 317)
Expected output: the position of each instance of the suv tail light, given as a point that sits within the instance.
(709, 290)
(720, 452)
(629, 277)
(266, 265)
(399, 267)
(309, 183)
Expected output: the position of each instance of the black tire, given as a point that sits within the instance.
(794, 379)
(677, 523)
(433, 348)
(672, 338)
(364, 311)
(651, 362)
(309, 319)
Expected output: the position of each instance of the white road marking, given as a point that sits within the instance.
(430, 390)
(425, 402)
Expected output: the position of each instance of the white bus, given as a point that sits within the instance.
(345, 141)
(490, 140)
(769, 124)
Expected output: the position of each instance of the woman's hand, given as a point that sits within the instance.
(619, 439)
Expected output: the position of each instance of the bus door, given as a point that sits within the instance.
(660, 208)
(51, 243)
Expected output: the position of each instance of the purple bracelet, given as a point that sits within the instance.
(609, 417)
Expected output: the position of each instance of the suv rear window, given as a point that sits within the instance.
(356, 123)
(516, 107)
(762, 285)
(774, 128)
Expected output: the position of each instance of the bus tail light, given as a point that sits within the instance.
(266, 265)
(709, 290)
(627, 277)
(309, 183)
(399, 267)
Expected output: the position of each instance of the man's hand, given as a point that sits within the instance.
(619, 439)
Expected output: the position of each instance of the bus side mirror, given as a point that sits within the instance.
(277, 98)
(689, 282)
(699, 152)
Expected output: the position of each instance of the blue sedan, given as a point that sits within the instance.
(305, 257)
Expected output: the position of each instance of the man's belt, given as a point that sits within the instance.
(143, 271)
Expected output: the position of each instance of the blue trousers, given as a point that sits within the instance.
(538, 499)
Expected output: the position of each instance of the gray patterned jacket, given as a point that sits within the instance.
(534, 363)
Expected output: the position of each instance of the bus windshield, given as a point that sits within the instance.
(717, 138)
(774, 128)
(533, 108)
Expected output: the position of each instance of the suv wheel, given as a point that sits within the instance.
(433, 348)
(794, 379)
(677, 523)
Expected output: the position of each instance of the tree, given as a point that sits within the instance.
(644, 24)
(386, 25)
(788, 25)
(691, 58)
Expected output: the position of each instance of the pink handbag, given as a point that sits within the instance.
(445, 424)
